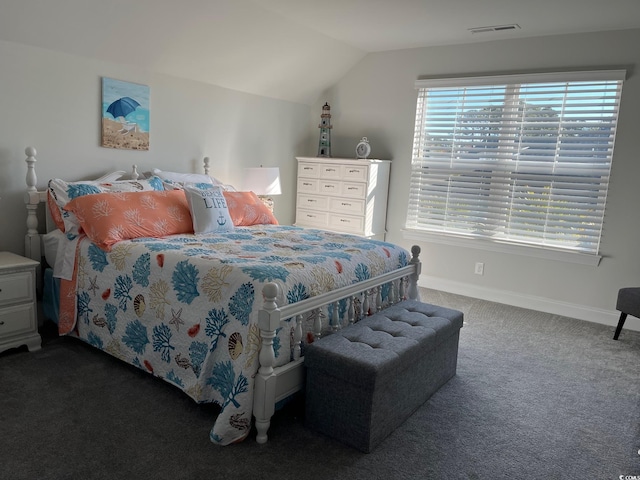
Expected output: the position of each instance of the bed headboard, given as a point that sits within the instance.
(34, 197)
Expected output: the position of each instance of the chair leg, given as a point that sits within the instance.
(623, 317)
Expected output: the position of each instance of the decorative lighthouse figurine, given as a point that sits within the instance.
(324, 145)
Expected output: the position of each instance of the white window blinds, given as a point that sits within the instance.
(516, 159)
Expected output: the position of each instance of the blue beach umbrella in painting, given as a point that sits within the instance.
(122, 107)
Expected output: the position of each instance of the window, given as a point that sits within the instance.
(521, 160)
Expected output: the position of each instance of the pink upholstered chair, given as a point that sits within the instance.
(628, 304)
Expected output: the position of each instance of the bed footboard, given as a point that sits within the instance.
(273, 384)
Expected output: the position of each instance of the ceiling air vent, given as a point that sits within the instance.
(495, 28)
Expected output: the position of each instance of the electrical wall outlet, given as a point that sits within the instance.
(479, 268)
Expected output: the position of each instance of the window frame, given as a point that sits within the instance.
(487, 241)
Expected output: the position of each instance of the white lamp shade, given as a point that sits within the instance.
(262, 181)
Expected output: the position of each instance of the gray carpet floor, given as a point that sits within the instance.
(536, 396)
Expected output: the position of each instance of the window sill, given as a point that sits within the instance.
(500, 247)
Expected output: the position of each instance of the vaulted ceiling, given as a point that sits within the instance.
(285, 49)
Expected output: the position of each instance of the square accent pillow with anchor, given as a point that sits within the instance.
(209, 211)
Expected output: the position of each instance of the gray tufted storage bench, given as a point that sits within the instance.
(368, 378)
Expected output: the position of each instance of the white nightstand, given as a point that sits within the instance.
(18, 317)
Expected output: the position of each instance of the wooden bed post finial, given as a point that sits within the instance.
(32, 179)
(414, 293)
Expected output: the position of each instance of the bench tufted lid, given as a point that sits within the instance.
(384, 343)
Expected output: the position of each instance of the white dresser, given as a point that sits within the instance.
(18, 314)
(343, 195)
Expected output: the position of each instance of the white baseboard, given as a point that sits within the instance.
(541, 304)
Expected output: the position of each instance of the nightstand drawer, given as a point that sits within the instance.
(346, 223)
(313, 202)
(17, 319)
(16, 288)
(346, 205)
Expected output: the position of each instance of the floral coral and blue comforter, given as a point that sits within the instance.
(185, 307)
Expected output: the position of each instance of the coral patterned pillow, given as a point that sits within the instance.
(107, 218)
(247, 209)
(61, 192)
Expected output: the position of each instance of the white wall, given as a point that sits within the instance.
(53, 101)
(377, 99)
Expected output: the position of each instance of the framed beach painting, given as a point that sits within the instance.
(125, 115)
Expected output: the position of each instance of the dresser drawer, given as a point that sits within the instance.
(330, 188)
(306, 185)
(17, 319)
(346, 205)
(331, 171)
(354, 190)
(347, 223)
(16, 287)
(313, 202)
(355, 172)
(309, 170)
(309, 218)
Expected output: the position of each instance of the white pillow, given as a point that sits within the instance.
(51, 242)
(184, 177)
(209, 211)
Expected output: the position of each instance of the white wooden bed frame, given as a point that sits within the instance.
(272, 384)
